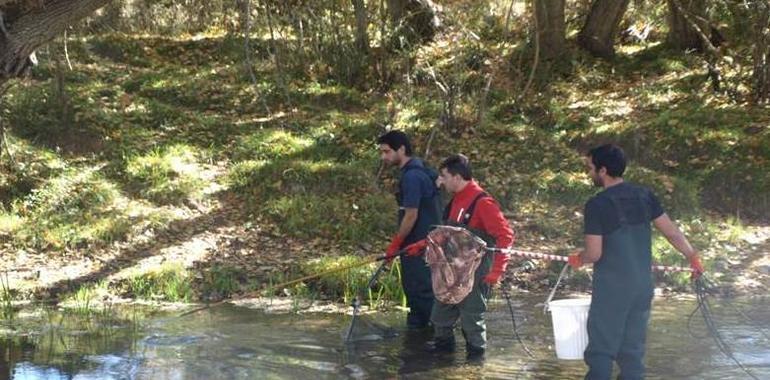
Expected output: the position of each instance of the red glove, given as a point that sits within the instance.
(416, 249)
(575, 261)
(497, 270)
(493, 277)
(394, 247)
(696, 266)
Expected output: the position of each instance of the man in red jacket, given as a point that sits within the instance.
(473, 209)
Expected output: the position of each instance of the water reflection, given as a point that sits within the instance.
(237, 343)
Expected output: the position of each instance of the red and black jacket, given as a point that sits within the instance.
(473, 208)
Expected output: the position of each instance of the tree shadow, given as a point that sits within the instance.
(174, 233)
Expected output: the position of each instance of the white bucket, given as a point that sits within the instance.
(569, 317)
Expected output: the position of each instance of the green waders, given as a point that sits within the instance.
(470, 310)
(620, 303)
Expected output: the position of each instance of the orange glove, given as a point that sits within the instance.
(696, 266)
(393, 248)
(416, 249)
(575, 261)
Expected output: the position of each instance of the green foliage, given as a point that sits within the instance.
(6, 298)
(390, 289)
(678, 195)
(344, 285)
(311, 216)
(120, 48)
(170, 282)
(84, 299)
(10, 224)
(297, 145)
(300, 177)
(166, 175)
(313, 198)
(18, 178)
(270, 144)
(222, 280)
(76, 207)
(33, 112)
(664, 254)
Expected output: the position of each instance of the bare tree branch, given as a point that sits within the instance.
(66, 53)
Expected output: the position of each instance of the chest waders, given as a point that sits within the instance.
(470, 310)
(415, 276)
(620, 302)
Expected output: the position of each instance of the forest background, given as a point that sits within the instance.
(186, 150)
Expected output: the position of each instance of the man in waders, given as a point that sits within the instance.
(419, 208)
(618, 241)
(473, 209)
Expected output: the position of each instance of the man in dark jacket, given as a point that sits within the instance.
(418, 210)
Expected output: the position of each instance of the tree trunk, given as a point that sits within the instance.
(598, 33)
(417, 18)
(550, 27)
(40, 22)
(761, 53)
(362, 24)
(681, 34)
(112, 16)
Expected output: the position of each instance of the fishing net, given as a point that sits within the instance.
(453, 254)
(362, 327)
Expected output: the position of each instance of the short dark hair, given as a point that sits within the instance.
(609, 156)
(396, 139)
(457, 164)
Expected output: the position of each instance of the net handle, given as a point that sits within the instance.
(555, 287)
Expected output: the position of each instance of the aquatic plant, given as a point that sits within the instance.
(170, 283)
(6, 298)
(347, 284)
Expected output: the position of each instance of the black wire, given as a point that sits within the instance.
(692, 315)
(513, 320)
(704, 306)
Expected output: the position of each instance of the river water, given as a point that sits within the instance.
(231, 342)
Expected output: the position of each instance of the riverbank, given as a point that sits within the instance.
(173, 184)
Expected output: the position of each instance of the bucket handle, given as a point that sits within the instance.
(553, 291)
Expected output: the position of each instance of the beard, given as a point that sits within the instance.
(392, 162)
(597, 181)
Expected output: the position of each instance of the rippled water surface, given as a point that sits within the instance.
(232, 342)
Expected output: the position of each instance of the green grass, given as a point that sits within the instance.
(74, 208)
(270, 144)
(719, 238)
(170, 282)
(146, 114)
(222, 280)
(87, 297)
(346, 284)
(10, 223)
(6, 298)
(349, 220)
(167, 175)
